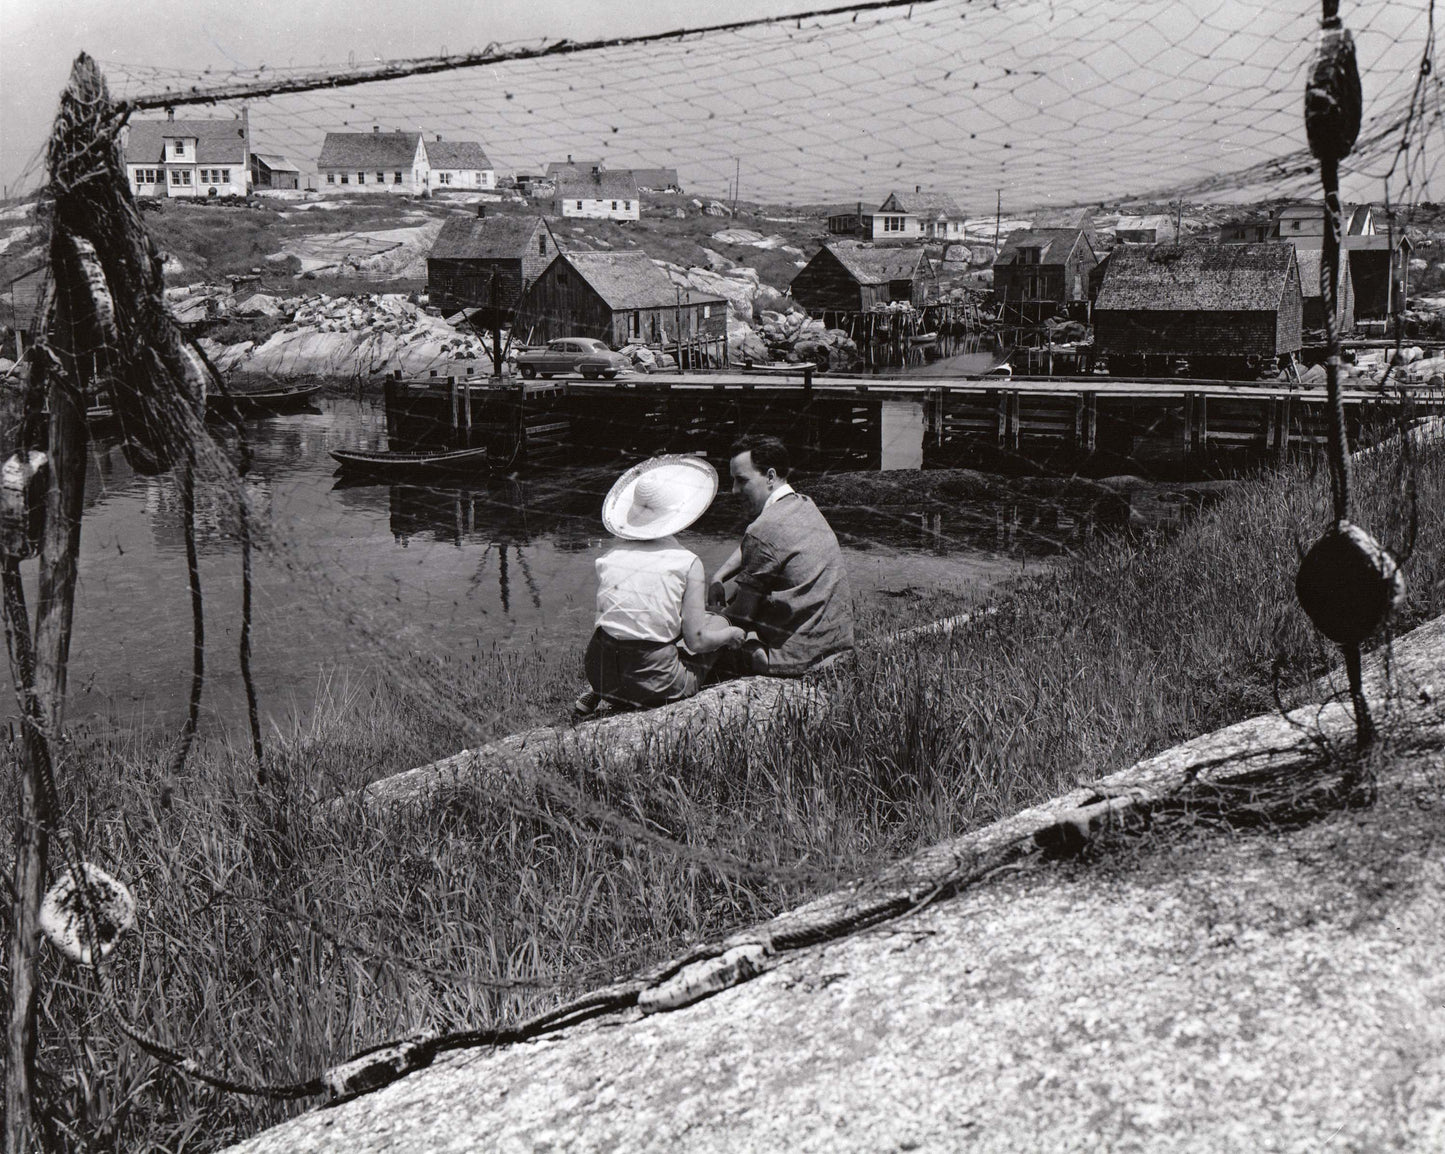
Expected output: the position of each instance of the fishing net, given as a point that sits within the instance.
(254, 641)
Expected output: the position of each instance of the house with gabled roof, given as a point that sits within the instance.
(597, 194)
(1153, 228)
(488, 262)
(1041, 272)
(458, 164)
(849, 276)
(188, 158)
(374, 162)
(272, 170)
(917, 215)
(1210, 303)
(657, 180)
(617, 297)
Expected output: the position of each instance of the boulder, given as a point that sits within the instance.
(744, 345)
(716, 261)
(716, 208)
(258, 305)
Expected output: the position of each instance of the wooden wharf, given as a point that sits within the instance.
(835, 420)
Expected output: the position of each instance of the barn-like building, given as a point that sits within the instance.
(1229, 310)
(851, 277)
(485, 261)
(620, 298)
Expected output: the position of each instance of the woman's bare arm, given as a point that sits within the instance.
(704, 631)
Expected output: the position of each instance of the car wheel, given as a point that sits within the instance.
(589, 374)
(528, 371)
(610, 374)
(545, 376)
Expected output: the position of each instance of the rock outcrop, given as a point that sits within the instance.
(1246, 962)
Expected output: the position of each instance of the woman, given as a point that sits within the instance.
(654, 639)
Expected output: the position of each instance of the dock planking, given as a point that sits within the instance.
(835, 419)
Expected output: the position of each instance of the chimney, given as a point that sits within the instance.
(569, 158)
(376, 128)
(439, 137)
(596, 170)
(170, 113)
(917, 188)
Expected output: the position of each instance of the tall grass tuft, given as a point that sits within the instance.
(278, 937)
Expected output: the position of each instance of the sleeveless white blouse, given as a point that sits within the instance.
(639, 590)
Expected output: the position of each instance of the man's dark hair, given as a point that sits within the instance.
(767, 452)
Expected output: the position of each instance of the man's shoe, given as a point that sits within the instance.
(587, 704)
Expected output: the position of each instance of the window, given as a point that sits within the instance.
(381, 178)
(892, 224)
(614, 206)
(542, 245)
(178, 148)
(636, 323)
(180, 177)
(627, 206)
(706, 311)
(444, 178)
(579, 206)
(148, 176)
(1294, 224)
(331, 178)
(225, 176)
(361, 178)
(396, 178)
(345, 179)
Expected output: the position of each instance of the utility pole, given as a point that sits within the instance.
(997, 220)
(737, 177)
(1178, 221)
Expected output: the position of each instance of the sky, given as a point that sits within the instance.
(41, 38)
(1039, 102)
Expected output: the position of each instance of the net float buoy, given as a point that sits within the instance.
(63, 917)
(1348, 584)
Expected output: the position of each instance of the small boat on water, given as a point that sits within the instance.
(923, 338)
(273, 400)
(383, 463)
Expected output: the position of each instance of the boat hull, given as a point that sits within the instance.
(382, 464)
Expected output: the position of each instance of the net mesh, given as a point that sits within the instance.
(514, 892)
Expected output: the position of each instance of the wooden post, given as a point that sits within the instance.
(1269, 427)
(1091, 422)
(678, 319)
(466, 387)
(455, 404)
(391, 387)
(1284, 404)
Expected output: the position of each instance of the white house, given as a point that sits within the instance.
(597, 194)
(188, 157)
(458, 164)
(918, 215)
(373, 162)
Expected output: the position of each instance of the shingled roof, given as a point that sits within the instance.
(656, 179)
(217, 141)
(1197, 278)
(596, 186)
(565, 167)
(456, 155)
(930, 205)
(368, 150)
(1055, 244)
(628, 280)
(487, 238)
(869, 265)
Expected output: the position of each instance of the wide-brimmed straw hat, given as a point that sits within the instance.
(659, 497)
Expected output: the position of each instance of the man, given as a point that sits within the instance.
(791, 587)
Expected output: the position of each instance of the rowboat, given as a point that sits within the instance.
(922, 338)
(262, 400)
(385, 463)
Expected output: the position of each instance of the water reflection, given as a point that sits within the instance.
(352, 575)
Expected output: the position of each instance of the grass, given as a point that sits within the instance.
(275, 941)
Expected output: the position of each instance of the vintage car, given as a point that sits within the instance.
(586, 355)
